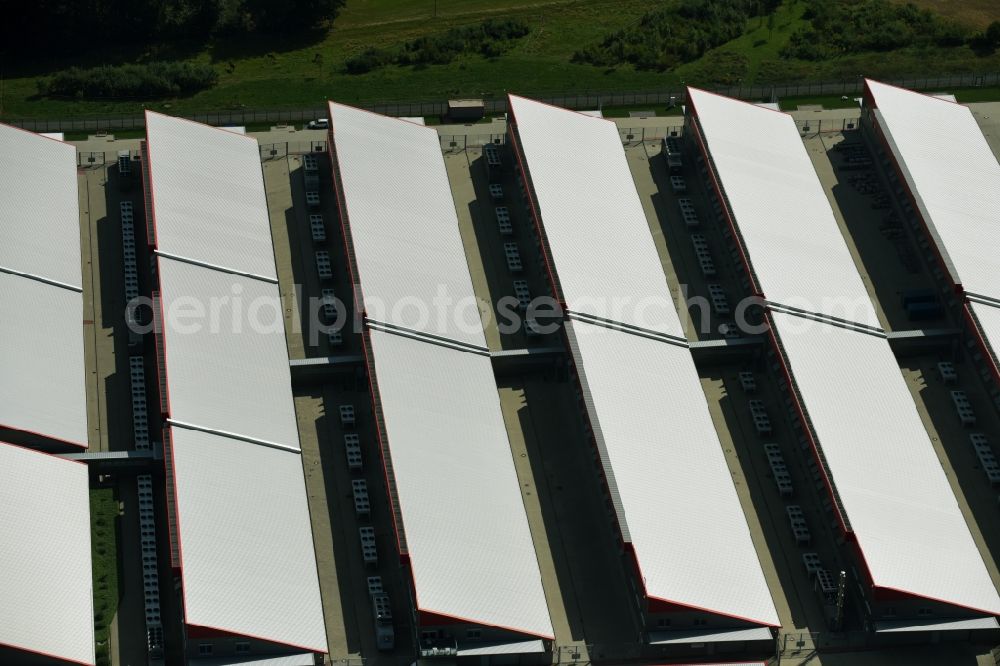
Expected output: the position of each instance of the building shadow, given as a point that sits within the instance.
(499, 278)
(577, 516)
(888, 248)
(947, 432)
(336, 496)
(766, 505)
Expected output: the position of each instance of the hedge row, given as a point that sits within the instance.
(150, 80)
(490, 39)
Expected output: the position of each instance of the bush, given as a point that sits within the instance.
(490, 39)
(504, 29)
(992, 35)
(151, 80)
(844, 28)
(665, 38)
(368, 60)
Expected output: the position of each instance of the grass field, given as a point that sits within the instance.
(104, 546)
(265, 73)
(973, 13)
(276, 75)
(978, 95)
(751, 53)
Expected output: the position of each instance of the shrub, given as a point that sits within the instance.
(992, 34)
(664, 38)
(151, 80)
(844, 28)
(504, 29)
(366, 61)
(491, 39)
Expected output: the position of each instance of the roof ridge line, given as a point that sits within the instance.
(441, 341)
(215, 267)
(232, 435)
(983, 300)
(43, 280)
(628, 328)
(826, 319)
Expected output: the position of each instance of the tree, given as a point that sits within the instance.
(992, 35)
(70, 26)
(276, 16)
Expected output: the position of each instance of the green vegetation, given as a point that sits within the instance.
(754, 56)
(490, 39)
(838, 28)
(104, 547)
(268, 16)
(976, 14)
(990, 39)
(277, 72)
(150, 81)
(304, 69)
(666, 37)
(971, 95)
(56, 26)
(763, 54)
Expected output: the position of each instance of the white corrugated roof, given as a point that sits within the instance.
(794, 244)
(597, 230)
(46, 582)
(230, 375)
(687, 636)
(936, 624)
(301, 659)
(39, 209)
(485, 649)
(674, 489)
(246, 549)
(900, 505)
(989, 322)
(403, 223)
(955, 178)
(466, 529)
(43, 389)
(208, 195)
(246, 540)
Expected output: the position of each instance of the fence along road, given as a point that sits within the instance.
(583, 100)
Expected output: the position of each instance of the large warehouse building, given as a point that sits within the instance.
(41, 308)
(916, 562)
(950, 177)
(697, 576)
(240, 525)
(460, 521)
(619, 490)
(46, 589)
(45, 579)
